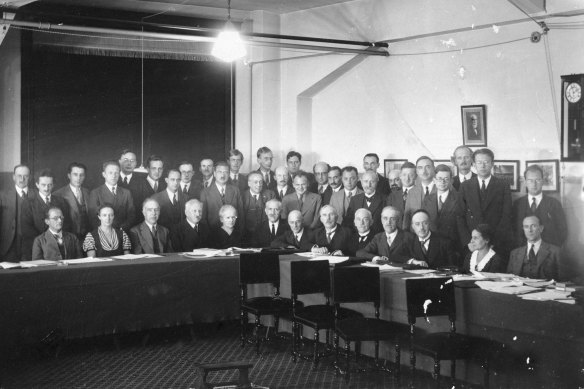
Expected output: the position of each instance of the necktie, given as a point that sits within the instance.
(300, 202)
(296, 240)
(174, 199)
(255, 198)
(47, 200)
(440, 203)
(114, 190)
(206, 184)
(533, 205)
(196, 228)
(531, 256)
(223, 195)
(389, 241)
(483, 191)
(155, 244)
(329, 236)
(59, 239)
(281, 194)
(125, 180)
(23, 194)
(369, 200)
(235, 179)
(347, 201)
(427, 191)
(405, 195)
(267, 178)
(423, 244)
(155, 186)
(185, 189)
(463, 178)
(273, 230)
(78, 195)
(320, 189)
(362, 239)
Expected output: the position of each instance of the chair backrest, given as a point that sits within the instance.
(308, 277)
(430, 297)
(259, 268)
(355, 284)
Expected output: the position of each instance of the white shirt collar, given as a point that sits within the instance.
(367, 197)
(468, 176)
(323, 187)
(74, 189)
(392, 235)
(254, 194)
(276, 223)
(219, 187)
(150, 181)
(19, 190)
(487, 180)
(353, 192)
(150, 225)
(536, 246)
(442, 196)
(191, 224)
(430, 187)
(171, 194)
(408, 188)
(298, 235)
(365, 234)
(111, 188)
(123, 175)
(338, 188)
(538, 199)
(183, 184)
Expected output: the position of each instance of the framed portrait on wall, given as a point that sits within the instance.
(508, 171)
(392, 164)
(474, 125)
(448, 163)
(551, 177)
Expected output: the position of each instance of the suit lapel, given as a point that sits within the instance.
(147, 237)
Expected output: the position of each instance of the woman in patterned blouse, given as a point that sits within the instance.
(105, 240)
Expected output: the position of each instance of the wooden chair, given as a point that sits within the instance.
(356, 285)
(311, 277)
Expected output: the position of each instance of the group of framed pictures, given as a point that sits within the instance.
(508, 170)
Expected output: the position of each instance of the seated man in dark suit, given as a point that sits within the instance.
(235, 159)
(56, 244)
(297, 237)
(191, 233)
(462, 158)
(321, 185)
(428, 250)
(331, 238)
(538, 259)
(271, 228)
(254, 200)
(149, 237)
(190, 187)
(361, 238)
(172, 201)
(548, 210)
(393, 244)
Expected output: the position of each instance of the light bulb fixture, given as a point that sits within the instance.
(228, 45)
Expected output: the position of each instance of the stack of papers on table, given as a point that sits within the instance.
(85, 260)
(306, 255)
(136, 256)
(331, 258)
(38, 262)
(204, 253)
(384, 267)
(550, 295)
(9, 265)
(507, 287)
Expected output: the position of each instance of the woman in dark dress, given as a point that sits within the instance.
(105, 240)
(482, 256)
(227, 235)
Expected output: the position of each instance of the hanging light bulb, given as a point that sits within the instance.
(229, 45)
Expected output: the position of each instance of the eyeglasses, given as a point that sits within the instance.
(482, 163)
(442, 179)
(56, 218)
(531, 181)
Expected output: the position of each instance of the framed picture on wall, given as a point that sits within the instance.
(551, 177)
(391, 164)
(474, 125)
(448, 163)
(508, 171)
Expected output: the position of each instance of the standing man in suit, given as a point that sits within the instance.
(548, 210)
(486, 199)
(428, 250)
(321, 184)
(11, 202)
(363, 234)
(55, 244)
(442, 208)
(293, 161)
(307, 203)
(206, 167)
(34, 211)
(422, 189)
(340, 200)
(235, 159)
(297, 237)
(407, 176)
(335, 179)
(282, 178)
(462, 158)
(265, 159)
(331, 238)
(254, 201)
(219, 194)
(152, 183)
(111, 193)
(371, 164)
(171, 201)
(128, 178)
(76, 197)
(537, 259)
(271, 227)
(149, 237)
(393, 244)
(190, 188)
(370, 199)
(191, 233)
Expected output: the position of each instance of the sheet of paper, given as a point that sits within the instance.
(384, 267)
(85, 260)
(204, 253)
(420, 271)
(466, 277)
(9, 265)
(306, 255)
(38, 262)
(136, 256)
(331, 258)
(547, 295)
(506, 287)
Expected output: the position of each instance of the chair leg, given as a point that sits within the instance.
(453, 371)
(276, 322)
(348, 358)
(294, 330)
(336, 346)
(376, 353)
(316, 340)
(436, 373)
(257, 334)
(397, 359)
(242, 318)
(486, 377)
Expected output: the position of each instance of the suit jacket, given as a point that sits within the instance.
(325, 196)
(222, 240)
(10, 221)
(289, 190)
(398, 252)
(194, 191)
(396, 200)
(142, 242)
(338, 202)
(143, 192)
(241, 181)
(287, 239)
(547, 260)
(122, 203)
(262, 236)
(494, 211)
(45, 246)
(550, 214)
(212, 202)
(414, 201)
(356, 245)
(359, 201)
(170, 214)
(456, 181)
(33, 219)
(310, 208)
(134, 186)
(186, 238)
(272, 184)
(439, 253)
(444, 223)
(78, 213)
(383, 185)
(254, 211)
(341, 240)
